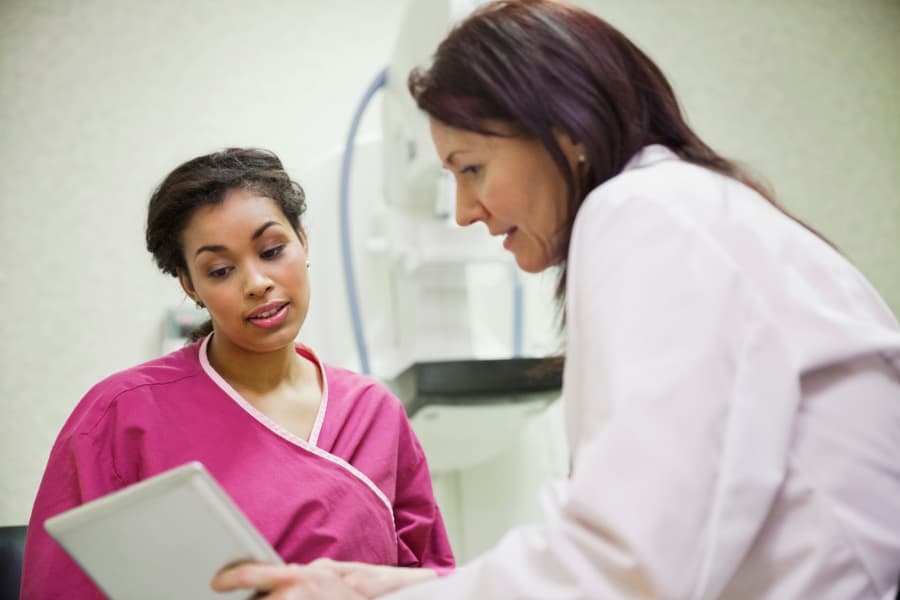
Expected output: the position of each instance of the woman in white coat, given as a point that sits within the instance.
(732, 383)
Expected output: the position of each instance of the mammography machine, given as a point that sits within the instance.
(437, 312)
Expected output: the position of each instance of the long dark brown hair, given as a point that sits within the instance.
(543, 67)
(203, 181)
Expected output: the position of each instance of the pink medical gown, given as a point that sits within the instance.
(359, 489)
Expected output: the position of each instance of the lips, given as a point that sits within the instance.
(503, 232)
(267, 310)
(508, 237)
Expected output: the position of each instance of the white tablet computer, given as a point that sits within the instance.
(164, 537)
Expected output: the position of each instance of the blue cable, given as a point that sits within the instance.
(347, 249)
(344, 212)
(518, 309)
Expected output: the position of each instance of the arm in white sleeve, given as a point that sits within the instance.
(681, 398)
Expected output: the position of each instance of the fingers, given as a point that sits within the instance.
(375, 581)
(324, 579)
(339, 567)
(257, 576)
(317, 584)
(329, 564)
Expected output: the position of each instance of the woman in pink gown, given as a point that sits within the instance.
(323, 461)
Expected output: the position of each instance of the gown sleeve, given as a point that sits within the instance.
(421, 536)
(80, 469)
(680, 397)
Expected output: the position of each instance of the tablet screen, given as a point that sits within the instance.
(165, 537)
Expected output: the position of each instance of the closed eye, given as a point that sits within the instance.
(220, 273)
(471, 170)
(272, 252)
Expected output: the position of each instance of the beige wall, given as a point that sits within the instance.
(98, 99)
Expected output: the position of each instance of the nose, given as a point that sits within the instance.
(469, 209)
(256, 282)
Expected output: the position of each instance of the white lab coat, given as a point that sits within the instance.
(732, 395)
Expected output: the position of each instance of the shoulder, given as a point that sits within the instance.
(666, 186)
(661, 193)
(366, 403)
(171, 368)
(672, 223)
(153, 378)
(643, 208)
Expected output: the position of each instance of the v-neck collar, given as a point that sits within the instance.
(226, 387)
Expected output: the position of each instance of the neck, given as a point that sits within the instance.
(257, 372)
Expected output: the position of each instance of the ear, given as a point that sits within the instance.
(187, 285)
(574, 152)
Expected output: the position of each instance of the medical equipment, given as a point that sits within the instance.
(436, 325)
(439, 313)
(178, 323)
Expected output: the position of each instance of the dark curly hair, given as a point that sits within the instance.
(204, 181)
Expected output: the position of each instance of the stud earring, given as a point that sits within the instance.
(307, 264)
(582, 158)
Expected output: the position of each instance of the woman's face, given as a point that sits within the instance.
(248, 266)
(512, 185)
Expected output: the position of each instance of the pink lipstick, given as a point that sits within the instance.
(269, 315)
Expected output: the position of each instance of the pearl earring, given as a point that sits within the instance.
(582, 158)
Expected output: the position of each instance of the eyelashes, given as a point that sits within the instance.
(273, 252)
(267, 254)
(219, 273)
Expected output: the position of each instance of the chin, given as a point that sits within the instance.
(532, 266)
(536, 264)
